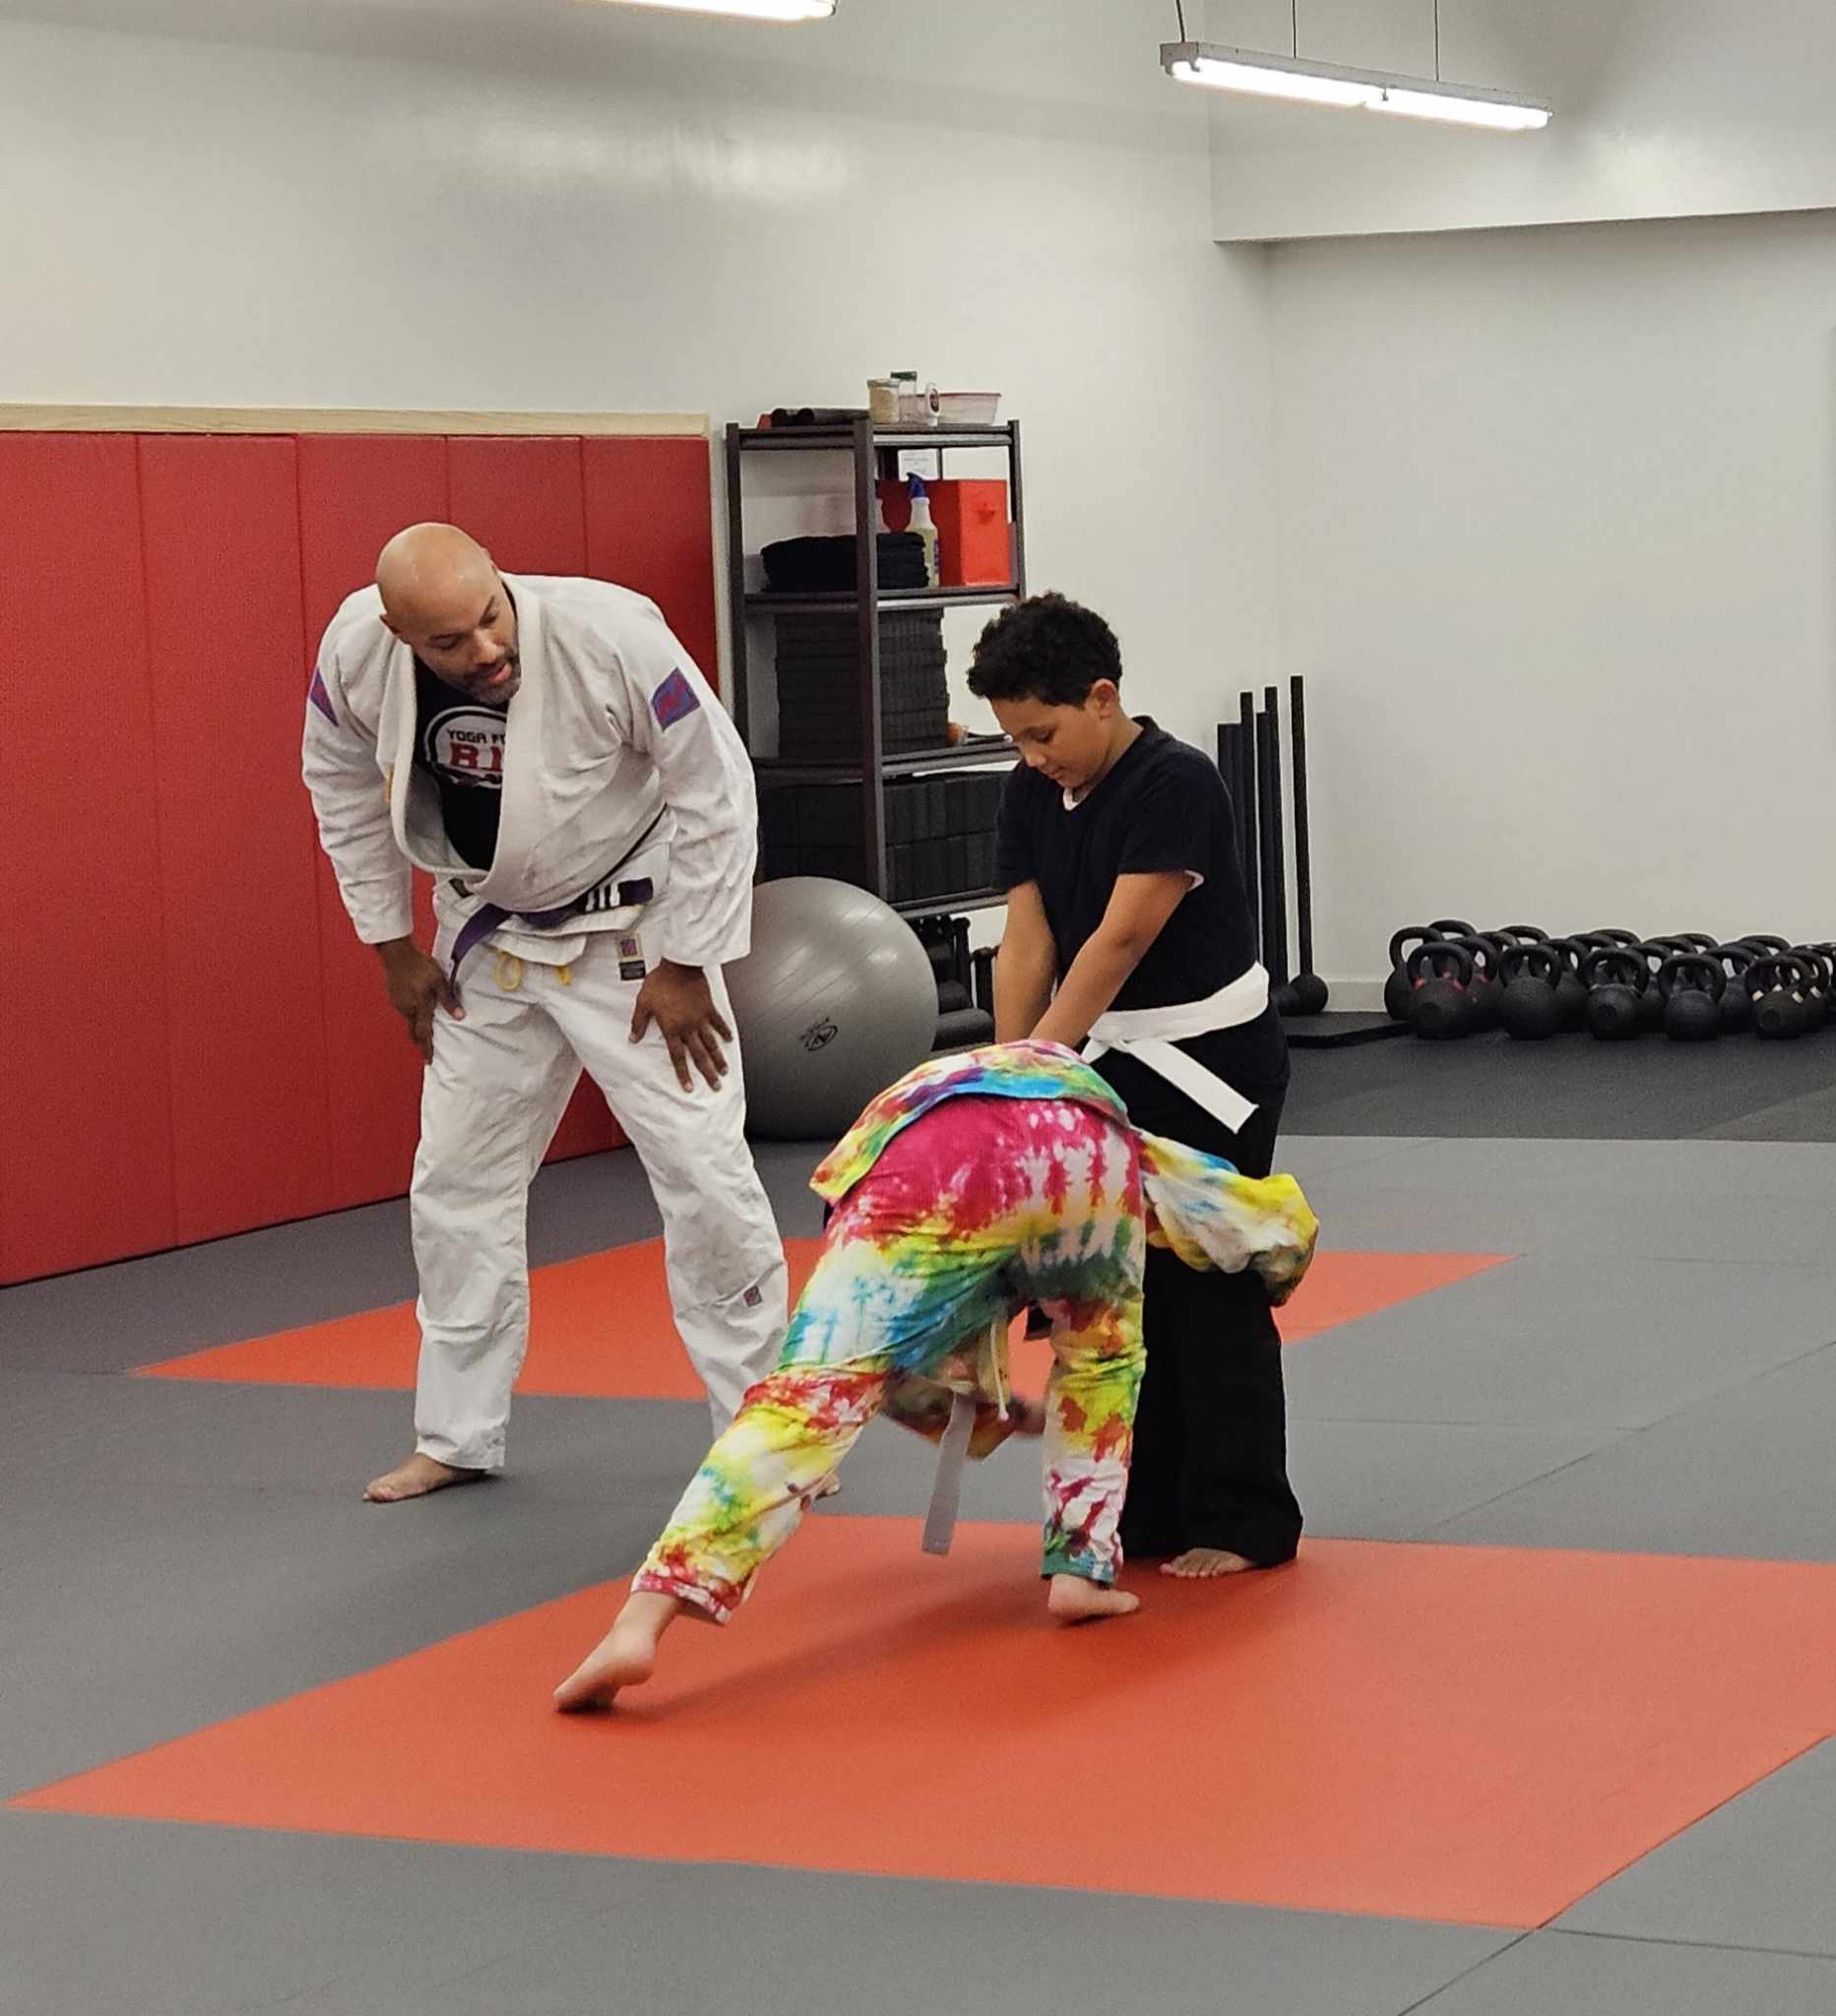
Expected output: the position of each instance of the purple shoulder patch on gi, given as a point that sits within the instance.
(320, 698)
(674, 699)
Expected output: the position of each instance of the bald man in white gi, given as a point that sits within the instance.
(546, 750)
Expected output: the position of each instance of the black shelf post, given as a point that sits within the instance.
(867, 659)
(736, 587)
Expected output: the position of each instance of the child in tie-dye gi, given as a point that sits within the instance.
(976, 1185)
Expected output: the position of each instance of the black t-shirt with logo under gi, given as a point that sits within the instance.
(458, 742)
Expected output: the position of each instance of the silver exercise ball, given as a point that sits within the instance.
(834, 1000)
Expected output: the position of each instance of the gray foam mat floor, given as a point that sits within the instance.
(1571, 1087)
(1653, 1370)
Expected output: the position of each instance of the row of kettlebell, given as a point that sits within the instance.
(1457, 981)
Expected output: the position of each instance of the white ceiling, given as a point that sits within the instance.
(1102, 55)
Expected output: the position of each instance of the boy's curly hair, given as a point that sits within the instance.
(1046, 648)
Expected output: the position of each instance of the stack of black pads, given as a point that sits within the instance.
(939, 832)
(819, 713)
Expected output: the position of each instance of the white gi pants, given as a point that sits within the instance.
(490, 1101)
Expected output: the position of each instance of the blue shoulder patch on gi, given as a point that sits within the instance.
(674, 699)
(320, 698)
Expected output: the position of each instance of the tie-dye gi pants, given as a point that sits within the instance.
(979, 1207)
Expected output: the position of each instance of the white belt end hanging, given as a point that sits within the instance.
(946, 1491)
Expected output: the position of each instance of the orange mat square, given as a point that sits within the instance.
(1476, 1735)
(601, 1326)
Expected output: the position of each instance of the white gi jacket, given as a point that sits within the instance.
(620, 769)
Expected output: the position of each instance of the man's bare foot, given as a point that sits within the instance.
(625, 1657)
(1200, 1564)
(415, 1478)
(1073, 1601)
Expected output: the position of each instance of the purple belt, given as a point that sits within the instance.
(487, 916)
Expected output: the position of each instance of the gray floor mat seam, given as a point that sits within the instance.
(1694, 1945)
(1528, 1483)
(1465, 1974)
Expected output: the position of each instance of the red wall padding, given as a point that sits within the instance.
(200, 1045)
(521, 498)
(629, 540)
(86, 1132)
(225, 638)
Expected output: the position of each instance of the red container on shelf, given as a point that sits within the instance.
(975, 543)
(975, 546)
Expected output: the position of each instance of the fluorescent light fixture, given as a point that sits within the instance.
(1502, 112)
(750, 10)
(1333, 84)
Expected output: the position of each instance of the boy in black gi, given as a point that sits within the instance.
(1128, 925)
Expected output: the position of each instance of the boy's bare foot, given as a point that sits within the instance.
(625, 1657)
(1073, 1601)
(415, 1478)
(1199, 1564)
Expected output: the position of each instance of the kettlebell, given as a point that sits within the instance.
(1440, 976)
(1654, 952)
(1817, 990)
(1398, 988)
(1776, 983)
(1692, 985)
(1615, 977)
(1508, 935)
(1487, 992)
(1450, 927)
(1571, 988)
(1529, 1006)
(1762, 941)
(1627, 939)
(1736, 1004)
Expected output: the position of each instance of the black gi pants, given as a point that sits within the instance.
(1210, 1466)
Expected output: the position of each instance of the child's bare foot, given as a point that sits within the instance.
(415, 1478)
(1074, 1601)
(625, 1657)
(1200, 1564)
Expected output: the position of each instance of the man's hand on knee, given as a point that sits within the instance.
(679, 1001)
(418, 985)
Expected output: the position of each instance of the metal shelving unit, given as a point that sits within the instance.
(873, 453)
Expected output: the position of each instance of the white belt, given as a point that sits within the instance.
(946, 1492)
(1152, 1035)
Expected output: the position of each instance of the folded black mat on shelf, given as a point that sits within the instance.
(826, 566)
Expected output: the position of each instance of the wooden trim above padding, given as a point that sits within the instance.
(314, 419)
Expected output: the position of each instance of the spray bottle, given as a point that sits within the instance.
(926, 530)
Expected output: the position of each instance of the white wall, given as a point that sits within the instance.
(535, 204)
(1556, 527)
(1664, 108)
